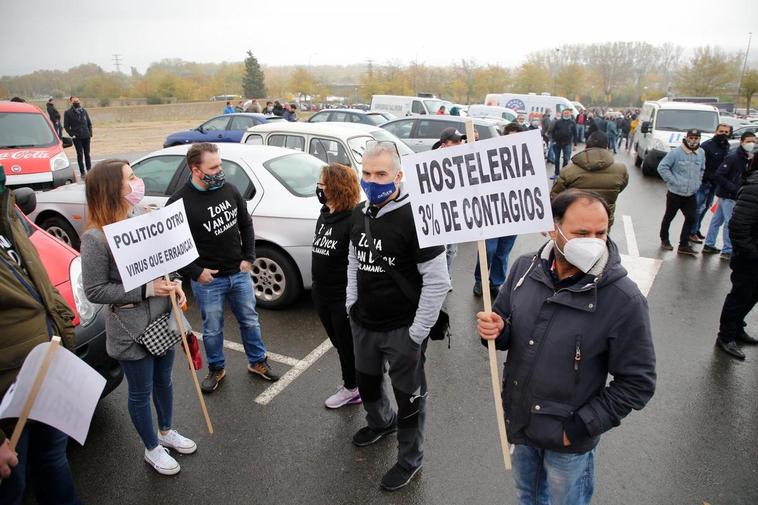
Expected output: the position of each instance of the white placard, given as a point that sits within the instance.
(67, 398)
(151, 245)
(485, 189)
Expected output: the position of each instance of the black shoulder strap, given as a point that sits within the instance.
(405, 286)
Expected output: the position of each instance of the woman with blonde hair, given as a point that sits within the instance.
(113, 194)
(339, 192)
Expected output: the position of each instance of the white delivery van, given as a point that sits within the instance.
(408, 105)
(663, 124)
(531, 104)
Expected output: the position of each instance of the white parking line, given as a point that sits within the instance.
(631, 239)
(293, 373)
(278, 358)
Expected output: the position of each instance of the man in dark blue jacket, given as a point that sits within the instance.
(728, 178)
(78, 125)
(715, 150)
(569, 316)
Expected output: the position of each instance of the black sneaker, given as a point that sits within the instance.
(747, 339)
(666, 245)
(686, 249)
(366, 436)
(398, 477)
(725, 256)
(212, 380)
(710, 250)
(700, 236)
(731, 349)
(263, 369)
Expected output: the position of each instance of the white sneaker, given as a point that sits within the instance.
(342, 397)
(161, 460)
(173, 440)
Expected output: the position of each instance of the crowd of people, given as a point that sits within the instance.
(288, 111)
(579, 317)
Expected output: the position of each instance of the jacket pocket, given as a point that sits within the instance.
(546, 421)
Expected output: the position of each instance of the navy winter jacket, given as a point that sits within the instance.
(715, 154)
(563, 344)
(729, 174)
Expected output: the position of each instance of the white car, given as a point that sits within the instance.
(330, 142)
(278, 184)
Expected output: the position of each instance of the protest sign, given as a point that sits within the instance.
(147, 246)
(479, 190)
(54, 387)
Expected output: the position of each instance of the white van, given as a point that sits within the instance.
(663, 124)
(408, 105)
(532, 104)
(492, 111)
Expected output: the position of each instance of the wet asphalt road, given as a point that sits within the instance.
(696, 441)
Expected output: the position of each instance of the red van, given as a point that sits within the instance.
(30, 149)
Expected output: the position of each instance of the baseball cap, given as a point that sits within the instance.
(694, 132)
(449, 133)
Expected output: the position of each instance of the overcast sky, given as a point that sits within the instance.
(46, 34)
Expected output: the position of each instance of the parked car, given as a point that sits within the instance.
(374, 118)
(408, 105)
(734, 141)
(224, 128)
(30, 149)
(278, 184)
(64, 268)
(420, 133)
(340, 142)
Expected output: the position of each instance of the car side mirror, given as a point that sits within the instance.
(645, 128)
(26, 199)
(67, 142)
(200, 129)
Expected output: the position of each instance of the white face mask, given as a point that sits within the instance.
(748, 147)
(582, 252)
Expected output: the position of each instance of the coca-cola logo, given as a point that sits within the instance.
(16, 169)
(24, 155)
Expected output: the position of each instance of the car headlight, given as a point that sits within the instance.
(59, 162)
(84, 307)
(659, 145)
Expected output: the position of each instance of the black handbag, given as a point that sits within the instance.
(441, 328)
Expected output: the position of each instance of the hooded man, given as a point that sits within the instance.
(594, 169)
(55, 117)
(569, 316)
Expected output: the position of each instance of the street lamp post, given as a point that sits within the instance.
(744, 64)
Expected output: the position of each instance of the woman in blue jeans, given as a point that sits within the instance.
(113, 193)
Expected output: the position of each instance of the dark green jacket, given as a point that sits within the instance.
(593, 169)
(23, 319)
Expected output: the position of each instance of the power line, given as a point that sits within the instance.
(117, 62)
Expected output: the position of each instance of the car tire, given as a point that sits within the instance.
(648, 170)
(276, 279)
(637, 159)
(59, 228)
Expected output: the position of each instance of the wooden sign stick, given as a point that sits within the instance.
(180, 325)
(486, 297)
(36, 386)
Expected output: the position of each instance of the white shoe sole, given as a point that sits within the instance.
(161, 470)
(180, 450)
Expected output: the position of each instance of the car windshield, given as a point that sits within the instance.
(23, 129)
(433, 105)
(683, 120)
(375, 119)
(358, 144)
(298, 172)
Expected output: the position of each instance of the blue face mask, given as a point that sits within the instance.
(377, 193)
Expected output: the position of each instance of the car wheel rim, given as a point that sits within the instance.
(60, 234)
(268, 279)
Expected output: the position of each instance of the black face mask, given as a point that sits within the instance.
(77, 105)
(321, 196)
(721, 138)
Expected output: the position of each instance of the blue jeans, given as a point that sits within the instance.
(551, 152)
(721, 217)
(566, 151)
(705, 195)
(498, 250)
(42, 453)
(151, 374)
(612, 139)
(546, 477)
(580, 132)
(450, 251)
(238, 289)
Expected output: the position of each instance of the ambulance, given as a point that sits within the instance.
(532, 104)
(30, 150)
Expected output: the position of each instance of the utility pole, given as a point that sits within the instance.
(744, 64)
(117, 62)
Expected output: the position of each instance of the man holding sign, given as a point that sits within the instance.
(31, 312)
(387, 326)
(568, 316)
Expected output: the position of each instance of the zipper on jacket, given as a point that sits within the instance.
(577, 358)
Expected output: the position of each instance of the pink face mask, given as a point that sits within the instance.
(138, 191)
